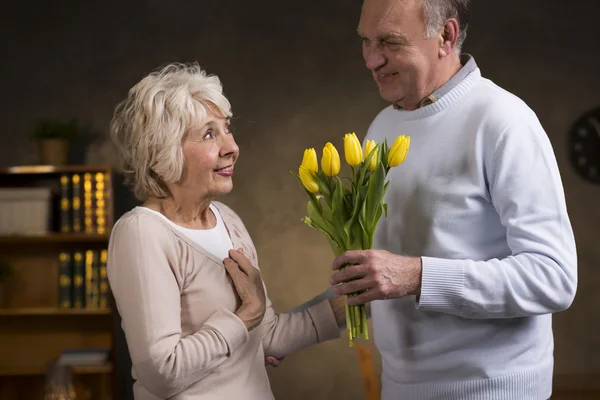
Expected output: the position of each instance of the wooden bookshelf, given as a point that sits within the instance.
(53, 237)
(77, 370)
(53, 169)
(53, 311)
(34, 330)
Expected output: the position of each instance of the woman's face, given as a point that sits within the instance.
(210, 153)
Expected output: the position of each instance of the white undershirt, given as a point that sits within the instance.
(215, 240)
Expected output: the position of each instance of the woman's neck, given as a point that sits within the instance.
(186, 211)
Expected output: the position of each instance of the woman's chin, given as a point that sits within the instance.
(224, 189)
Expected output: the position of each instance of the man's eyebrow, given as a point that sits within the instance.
(394, 36)
(387, 36)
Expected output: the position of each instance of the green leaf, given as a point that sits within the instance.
(384, 205)
(308, 221)
(324, 183)
(365, 231)
(374, 196)
(311, 196)
(384, 155)
(340, 214)
(323, 225)
(358, 199)
(377, 217)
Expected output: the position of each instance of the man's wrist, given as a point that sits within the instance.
(418, 261)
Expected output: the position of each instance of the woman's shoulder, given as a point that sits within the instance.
(141, 221)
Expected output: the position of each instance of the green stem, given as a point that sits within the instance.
(364, 322)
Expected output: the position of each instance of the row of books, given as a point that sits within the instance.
(84, 200)
(83, 279)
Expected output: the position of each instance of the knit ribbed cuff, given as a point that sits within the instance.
(442, 284)
(324, 320)
(228, 325)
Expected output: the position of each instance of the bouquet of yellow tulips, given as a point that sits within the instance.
(346, 210)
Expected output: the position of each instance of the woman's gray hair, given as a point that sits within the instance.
(148, 127)
(437, 12)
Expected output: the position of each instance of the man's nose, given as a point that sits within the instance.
(374, 58)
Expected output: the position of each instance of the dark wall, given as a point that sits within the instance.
(295, 76)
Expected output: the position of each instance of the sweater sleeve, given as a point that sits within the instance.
(146, 280)
(540, 275)
(285, 333)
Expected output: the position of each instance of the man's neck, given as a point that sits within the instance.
(438, 80)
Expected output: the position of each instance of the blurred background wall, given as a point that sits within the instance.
(294, 74)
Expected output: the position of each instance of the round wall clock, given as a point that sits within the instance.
(584, 146)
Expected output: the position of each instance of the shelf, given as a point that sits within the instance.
(54, 311)
(53, 169)
(79, 370)
(53, 238)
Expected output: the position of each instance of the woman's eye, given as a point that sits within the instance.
(208, 135)
(229, 130)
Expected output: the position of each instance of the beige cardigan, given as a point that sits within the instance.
(177, 304)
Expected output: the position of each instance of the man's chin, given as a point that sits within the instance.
(388, 95)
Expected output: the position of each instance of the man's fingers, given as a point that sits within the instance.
(348, 273)
(349, 257)
(352, 287)
(363, 298)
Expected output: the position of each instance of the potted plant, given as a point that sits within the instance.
(5, 274)
(54, 138)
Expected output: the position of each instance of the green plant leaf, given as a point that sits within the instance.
(324, 183)
(339, 209)
(374, 196)
(385, 150)
(324, 225)
(313, 197)
(358, 199)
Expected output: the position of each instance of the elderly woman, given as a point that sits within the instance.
(182, 266)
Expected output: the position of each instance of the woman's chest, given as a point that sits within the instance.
(207, 288)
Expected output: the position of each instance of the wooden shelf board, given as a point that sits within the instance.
(53, 238)
(53, 311)
(78, 370)
(52, 169)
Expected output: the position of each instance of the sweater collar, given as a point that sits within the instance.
(468, 65)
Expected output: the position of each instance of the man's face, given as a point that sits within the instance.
(396, 51)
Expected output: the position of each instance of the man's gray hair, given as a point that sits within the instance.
(437, 12)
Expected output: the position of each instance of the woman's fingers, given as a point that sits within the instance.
(243, 261)
(231, 267)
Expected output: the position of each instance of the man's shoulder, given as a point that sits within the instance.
(489, 99)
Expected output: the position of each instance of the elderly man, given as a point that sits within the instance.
(477, 251)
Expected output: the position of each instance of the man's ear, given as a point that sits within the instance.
(448, 37)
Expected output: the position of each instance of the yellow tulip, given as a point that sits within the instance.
(352, 150)
(398, 151)
(369, 146)
(309, 161)
(308, 180)
(330, 162)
